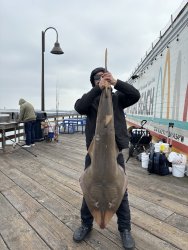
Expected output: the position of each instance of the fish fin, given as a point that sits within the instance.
(125, 183)
(108, 119)
(84, 182)
(90, 149)
(81, 181)
(102, 218)
(117, 151)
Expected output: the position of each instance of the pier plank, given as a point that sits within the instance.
(19, 235)
(52, 206)
(150, 208)
(5, 182)
(43, 197)
(178, 221)
(172, 205)
(15, 231)
(2, 244)
(155, 184)
(160, 229)
(146, 240)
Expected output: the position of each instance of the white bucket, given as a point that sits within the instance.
(157, 146)
(178, 170)
(145, 160)
(177, 158)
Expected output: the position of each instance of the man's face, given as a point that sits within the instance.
(97, 77)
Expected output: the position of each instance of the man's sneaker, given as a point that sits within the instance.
(81, 233)
(26, 146)
(127, 239)
(33, 144)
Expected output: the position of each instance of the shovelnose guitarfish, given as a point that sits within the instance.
(104, 182)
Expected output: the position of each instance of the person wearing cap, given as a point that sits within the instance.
(28, 117)
(125, 96)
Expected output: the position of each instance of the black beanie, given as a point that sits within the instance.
(94, 72)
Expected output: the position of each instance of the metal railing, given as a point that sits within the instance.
(14, 131)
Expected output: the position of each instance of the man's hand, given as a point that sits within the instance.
(108, 77)
(103, 83)
(106, 80)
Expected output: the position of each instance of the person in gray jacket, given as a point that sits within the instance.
(28, 117)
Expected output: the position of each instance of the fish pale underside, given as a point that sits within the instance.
(104, 182)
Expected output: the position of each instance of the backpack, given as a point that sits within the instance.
(158, 163)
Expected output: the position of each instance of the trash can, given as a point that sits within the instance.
(39, 133)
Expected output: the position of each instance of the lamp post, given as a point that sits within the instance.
(57, 51)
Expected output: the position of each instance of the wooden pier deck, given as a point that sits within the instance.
(40, 201)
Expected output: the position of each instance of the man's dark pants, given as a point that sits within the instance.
(123, 212)
(30, 132)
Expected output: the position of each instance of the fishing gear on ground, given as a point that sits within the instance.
(16, 143)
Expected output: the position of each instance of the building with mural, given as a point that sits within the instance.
(162, 79)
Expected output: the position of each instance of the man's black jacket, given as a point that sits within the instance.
(125, 96)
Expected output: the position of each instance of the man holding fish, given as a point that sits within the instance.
(104, 181)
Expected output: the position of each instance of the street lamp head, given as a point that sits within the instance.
(57, 49)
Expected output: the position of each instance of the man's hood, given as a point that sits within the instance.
(21, 101)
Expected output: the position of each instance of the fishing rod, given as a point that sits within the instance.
(56, 120)
(106, 54)
(105, 63)
(15, 143)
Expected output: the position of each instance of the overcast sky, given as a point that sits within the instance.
(85, 28)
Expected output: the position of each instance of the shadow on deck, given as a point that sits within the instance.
(40, 201)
